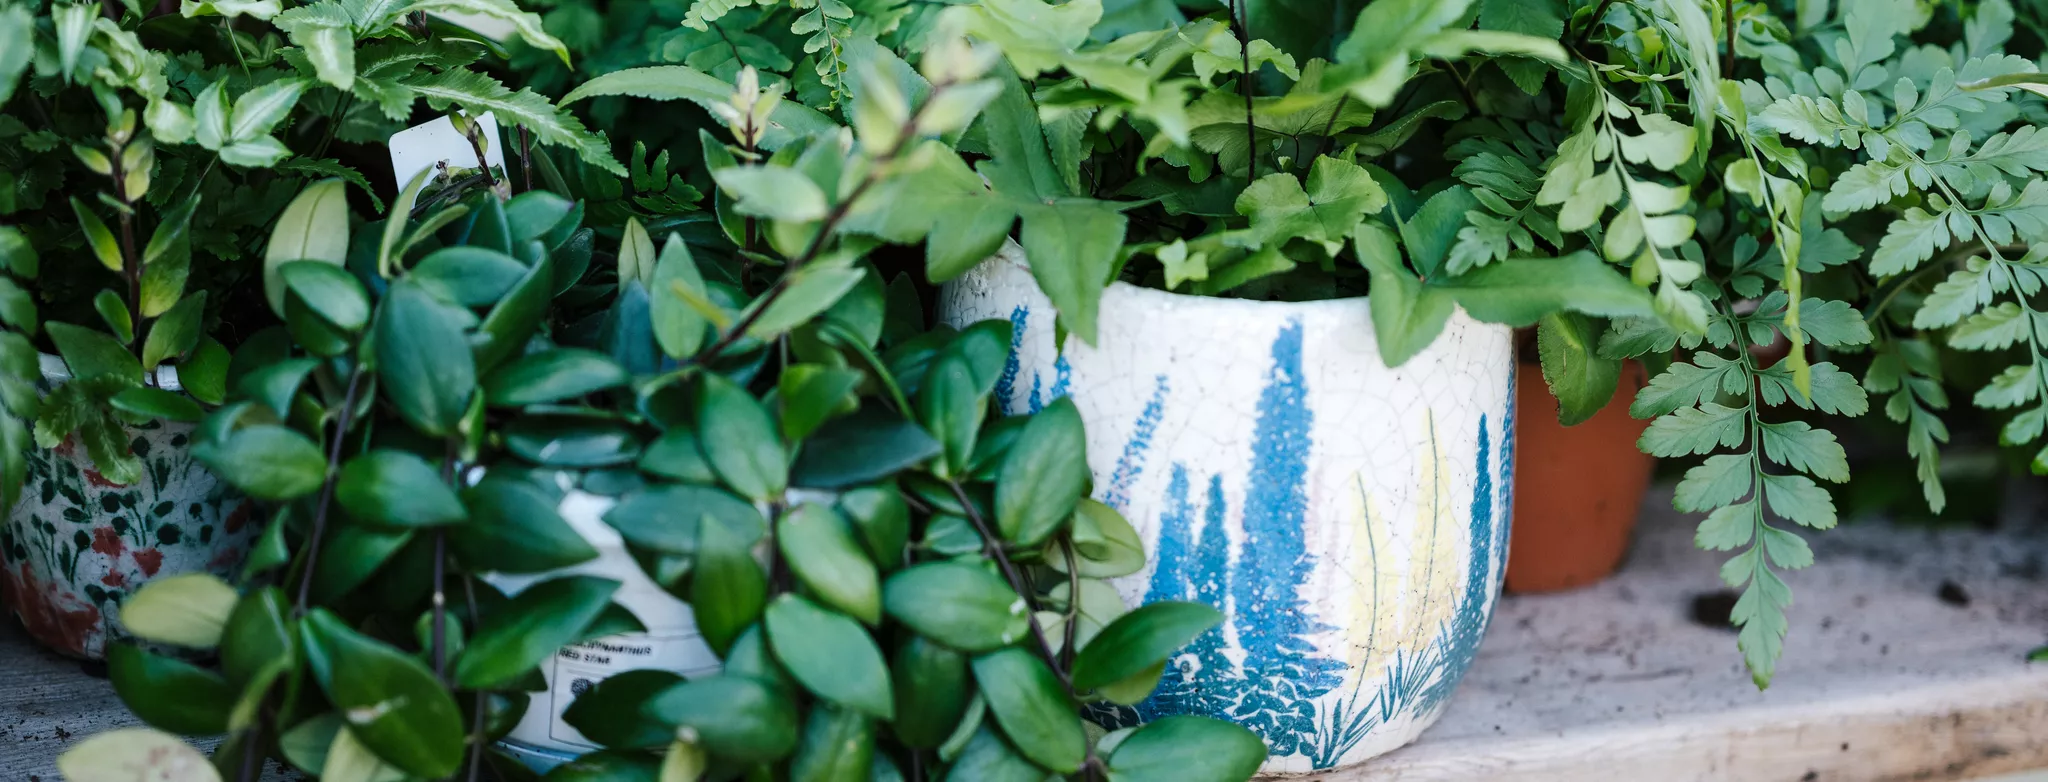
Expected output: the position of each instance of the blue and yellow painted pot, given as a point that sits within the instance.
(1349, 519)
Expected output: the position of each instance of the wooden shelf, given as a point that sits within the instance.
(1882, 678)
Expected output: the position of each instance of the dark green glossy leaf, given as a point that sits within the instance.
(540, 619)
(748, 454)
(157, 403)
(1140, 639)
(396, 489)
(821, 551)
(175, 332)
(867, 446)
(1032, 708)
(204, 374)
(609, 714)
(728, 590)
(951, 410)
(571, 441)
(351, 555)
(678, 327)
(932, 690)
(168, 693)
(390, 701)
(534, 213)
(810, 394)
(627, 331)
(424, 366)
(552, 376)
(470, 276)
(330, 291)
(666, 517)
(1045, 473)
(266, 462)
(515, 318)
(114, 314)
(988, 758)
(838, 746)
(1160, 752)
(882, 519)
(91, 354)
(735, 717)
(513, 527)
(676, 455)
(958, 604)
(258, 632)
(275, 385)
(830, 654)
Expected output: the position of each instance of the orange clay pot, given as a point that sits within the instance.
(1577, 488)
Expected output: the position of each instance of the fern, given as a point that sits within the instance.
(313, 168)
(1503, 165)
(477, 93)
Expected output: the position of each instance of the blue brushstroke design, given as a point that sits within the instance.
(1274, 621)
(1507, 473)
(1461, 643)
(1131, 463)
(1006, 383)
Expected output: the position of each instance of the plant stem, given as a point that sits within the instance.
(1073, 604)
(1591, 23)
(1728, 65)
(250, 768)
(993, 547)
(1244, 85)
(341, 424)
(1331, 126)
(476, 722)
(475, 136)
(228, 30)
(825, 229)
(526, 158)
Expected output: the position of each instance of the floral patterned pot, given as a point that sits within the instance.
(1350, 520)
(78, 544)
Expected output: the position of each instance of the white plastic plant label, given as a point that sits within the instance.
(671, 643)
(432, 144)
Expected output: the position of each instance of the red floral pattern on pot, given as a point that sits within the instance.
(78, 544)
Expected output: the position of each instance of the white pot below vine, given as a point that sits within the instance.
(542, 739)
(1350, 520)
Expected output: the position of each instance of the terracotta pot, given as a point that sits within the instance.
(1577, 488)
(1345, 517)
(77, 544)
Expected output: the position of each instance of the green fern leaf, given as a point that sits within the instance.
(478, 93)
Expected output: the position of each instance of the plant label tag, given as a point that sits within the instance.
(439, 142)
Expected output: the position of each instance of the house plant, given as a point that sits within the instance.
(1733, 162)
(1581, 483)
(149, 152)
(437, 390)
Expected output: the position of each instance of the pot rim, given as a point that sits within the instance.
(1012, 254)
(56, 371)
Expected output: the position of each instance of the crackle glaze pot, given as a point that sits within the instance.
(77, 544)
(1349, 520)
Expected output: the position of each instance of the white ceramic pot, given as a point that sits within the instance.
(77, 544)
(542, 739)
(1350, 520)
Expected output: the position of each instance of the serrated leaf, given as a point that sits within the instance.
(1798, 499)
(1804, 448)
(1695, 430)
(1720, 480)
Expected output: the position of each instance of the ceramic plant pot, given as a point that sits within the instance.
(1349, 520)
(542, 739)
(1581, 487)
(77, 544)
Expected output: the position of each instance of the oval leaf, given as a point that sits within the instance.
(396, 489)
(1032, 708)
(1045, 473)
(1140, 639)
(831, 655)
(957, 604)
(819, 549)
(390, 701)
(539, 620)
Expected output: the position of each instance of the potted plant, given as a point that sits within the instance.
(1580, 475)
(1823, 181)
(1299, 380)
(453, 415)
(149, 154)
